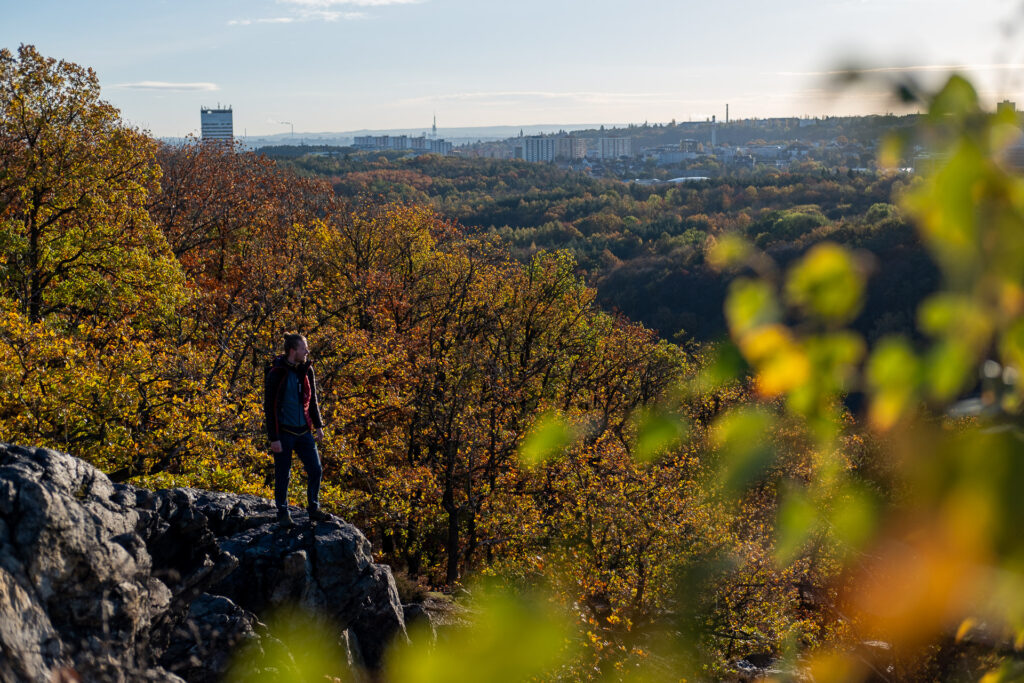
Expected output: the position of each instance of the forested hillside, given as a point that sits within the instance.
(643, 246)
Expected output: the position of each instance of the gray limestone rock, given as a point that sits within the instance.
(325, 569)
(419, 622)
(212, 631)
(115, 583)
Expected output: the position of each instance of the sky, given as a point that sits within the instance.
(345, 65)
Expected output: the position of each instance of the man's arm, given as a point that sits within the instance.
(314, 405)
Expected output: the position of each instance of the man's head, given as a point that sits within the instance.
(295, 348)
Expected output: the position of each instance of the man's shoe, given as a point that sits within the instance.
(318, 515)
(284, 518)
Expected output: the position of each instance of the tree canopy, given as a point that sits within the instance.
(76, 237)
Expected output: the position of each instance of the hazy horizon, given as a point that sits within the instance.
(460, 134)
(351, 65)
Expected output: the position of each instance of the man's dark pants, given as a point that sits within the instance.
(304, 446)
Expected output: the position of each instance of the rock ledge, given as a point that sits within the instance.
(115, 583)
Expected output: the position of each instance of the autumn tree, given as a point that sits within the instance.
(76, 237)
(438, 352)
(234, 222)
(89, 289)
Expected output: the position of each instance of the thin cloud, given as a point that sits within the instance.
(268, 20)
(582, 97)
(906, 69)
(330, 15)
(356, 3)
(164, 85)
(303, 14)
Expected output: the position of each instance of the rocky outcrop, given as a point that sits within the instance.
(112, 582)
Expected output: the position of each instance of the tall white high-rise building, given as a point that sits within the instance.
(570, 147)
(613, 148)
(217, 124)
(537, 148)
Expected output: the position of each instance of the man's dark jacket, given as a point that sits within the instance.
(273, 393)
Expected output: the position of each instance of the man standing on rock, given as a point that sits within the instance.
(293, 424)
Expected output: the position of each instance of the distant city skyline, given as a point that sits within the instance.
(351, 65)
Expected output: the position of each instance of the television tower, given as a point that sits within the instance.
(433, 130)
